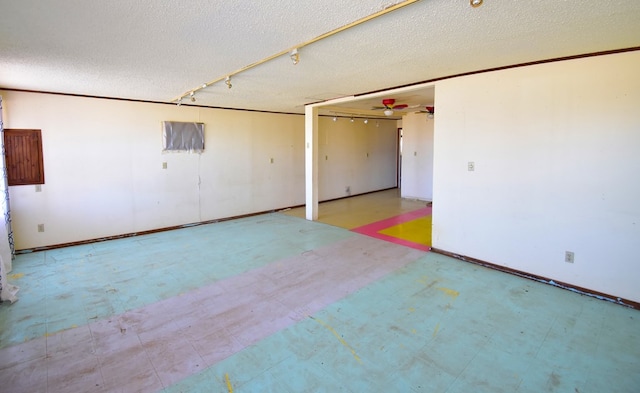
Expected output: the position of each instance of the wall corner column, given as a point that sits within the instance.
(311, 162)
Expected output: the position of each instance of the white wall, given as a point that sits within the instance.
(362, 157)
(557, 161)
(104, 176)
(417, 157)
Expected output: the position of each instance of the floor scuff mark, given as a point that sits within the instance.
(342, 341)
(228, 381)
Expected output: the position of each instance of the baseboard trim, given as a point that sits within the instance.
(148, 232)
(355, 195)
(132, 234)
(545, 280)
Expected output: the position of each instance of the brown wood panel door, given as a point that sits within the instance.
(23, 156)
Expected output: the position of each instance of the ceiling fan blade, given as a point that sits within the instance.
(400, 106)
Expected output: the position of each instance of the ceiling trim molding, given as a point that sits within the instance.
(144, 101)
(430, 83)
(530, 63)
(347, 98)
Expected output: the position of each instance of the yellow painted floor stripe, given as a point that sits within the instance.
(449, 292)
(417, 231)
(228, 381)
(332, 330)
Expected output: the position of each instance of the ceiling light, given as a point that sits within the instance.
(204, 85)
(475, 3)
(377, 123)
(295, 57)
(193, 97)
(351, 120)
(335, 118)
(388, 112)
(430, 115)
(366, 121)
(228, 82)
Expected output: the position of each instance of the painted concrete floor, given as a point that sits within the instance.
(361, 210)
(274, 303)
(383, 215)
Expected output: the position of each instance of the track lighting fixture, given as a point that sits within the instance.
(351, 120)
(295, 57)
(192, 96)
(293, 53)
(475, 3)
(180, 101)
(377, 124)
(335, 118)
(366, 121)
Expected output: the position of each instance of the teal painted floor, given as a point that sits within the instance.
(275, 303)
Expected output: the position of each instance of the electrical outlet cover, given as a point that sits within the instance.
(568, 257)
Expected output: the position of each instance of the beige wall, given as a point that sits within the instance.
(557, 161)
(417, 157)
(104, 176)
(555, 148)
(357, 156)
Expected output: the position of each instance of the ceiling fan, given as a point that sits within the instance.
(389, 106)
(429, 110)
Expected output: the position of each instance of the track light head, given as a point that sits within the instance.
(192, 96)
(227, 82)
(335, 118)
(295, 57)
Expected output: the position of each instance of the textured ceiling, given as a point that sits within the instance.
(159, 50)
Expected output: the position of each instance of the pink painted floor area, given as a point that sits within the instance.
(153, 347)
(374, 229)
